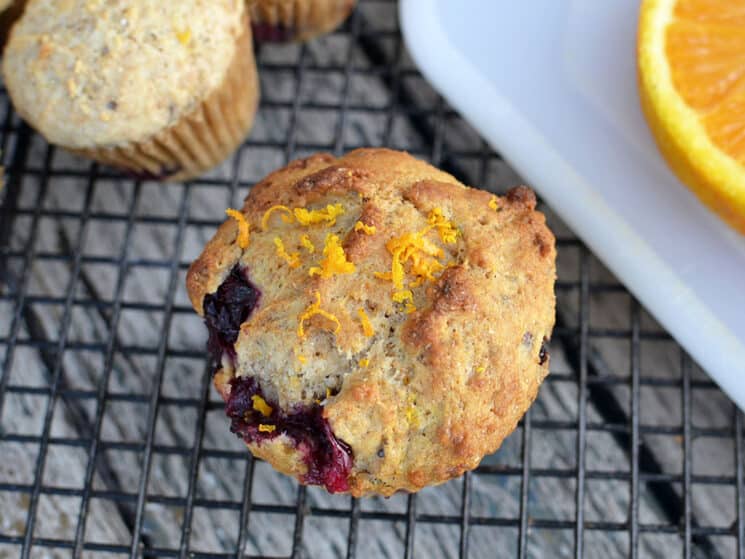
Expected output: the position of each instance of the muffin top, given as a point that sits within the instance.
(94, 73)
(408, 312)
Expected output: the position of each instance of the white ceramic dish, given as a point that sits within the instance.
(551, 84)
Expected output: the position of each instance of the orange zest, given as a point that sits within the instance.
(307, 244)
(691, 61)
(244, 227)
(334, 261)
(260, 405)
(293, 259)
(313, 217)
(313, 310)
(288, 218)
(366, 229)
(367, 328)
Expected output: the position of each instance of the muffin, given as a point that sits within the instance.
(296, 20)
(10, 11)
(376, 325)
(162, 89)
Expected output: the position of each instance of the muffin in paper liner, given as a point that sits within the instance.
(201, 139)
(296, 20)
(163, 90)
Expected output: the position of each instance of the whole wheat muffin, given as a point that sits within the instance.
(296, 20)
(164, 89)
(379, 326)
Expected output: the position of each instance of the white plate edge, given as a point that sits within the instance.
(710, 343)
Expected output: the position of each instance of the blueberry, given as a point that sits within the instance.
(329, 460)
(225, 311)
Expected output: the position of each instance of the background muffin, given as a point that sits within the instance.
(10, 11)
(379, 325)
(164, 89)
(296, 20)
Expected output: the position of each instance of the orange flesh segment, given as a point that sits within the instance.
(705, 47)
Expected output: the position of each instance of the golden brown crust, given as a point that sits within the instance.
(431, 391)
(297, 20)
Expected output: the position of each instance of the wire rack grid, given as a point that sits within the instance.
(113, 443)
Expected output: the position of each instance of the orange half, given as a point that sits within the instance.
(691, 56)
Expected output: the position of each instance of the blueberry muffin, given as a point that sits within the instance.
(377, 326)
(163, 89)
(296, 20)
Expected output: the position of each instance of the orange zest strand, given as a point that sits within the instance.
(268, 214)
(311, 311)
(334, 261)
(367, 328)
(293, 260)
(244, 227)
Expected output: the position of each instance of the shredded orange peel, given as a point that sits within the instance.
(313, 217)
(447, 230)
(244, 227)
(311, 311)
(293, 259)
(264, 428)
(422, 254)
(367, 328)
(308, 244)
(493, 204)
(366, 229)
(268, 214)
(334, 261)
(260, 405)
(364, 362)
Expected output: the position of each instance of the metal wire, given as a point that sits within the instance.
(609, 402)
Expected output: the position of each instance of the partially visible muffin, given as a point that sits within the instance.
(296, 20)
(377, 325)
(10, 11)
(163, 89)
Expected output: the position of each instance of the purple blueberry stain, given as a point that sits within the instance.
(226, 309)
(328, 459)
(543, 352)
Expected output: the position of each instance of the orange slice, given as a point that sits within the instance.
(691, 56)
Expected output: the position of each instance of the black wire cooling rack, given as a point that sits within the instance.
(112, 442)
